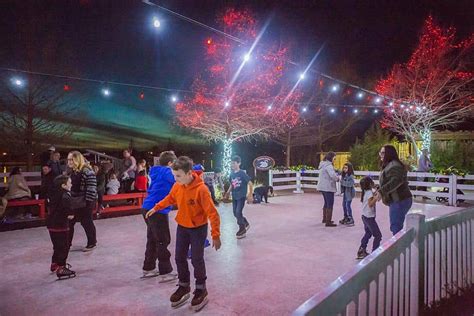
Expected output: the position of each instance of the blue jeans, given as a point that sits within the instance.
(371, 229)
(398, 211)
(346, 206)
(328, 199)
(238, 208)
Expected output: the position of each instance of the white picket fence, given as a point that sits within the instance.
(440, 187)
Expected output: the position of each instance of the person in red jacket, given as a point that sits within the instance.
(195, 210)
(141, 179)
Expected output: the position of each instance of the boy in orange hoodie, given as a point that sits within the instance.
(195, 209)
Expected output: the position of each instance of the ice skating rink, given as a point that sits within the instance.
(287, 256)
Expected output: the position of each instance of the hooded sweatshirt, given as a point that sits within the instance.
(162, 180)
(327, 177)
(195, 205)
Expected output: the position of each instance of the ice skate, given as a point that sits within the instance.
(65, 273)
(180, 297)
(199, 300)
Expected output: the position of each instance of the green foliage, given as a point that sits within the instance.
(453, 156)
(364, 154)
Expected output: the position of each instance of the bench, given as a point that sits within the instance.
(41, 203)
(138, 198)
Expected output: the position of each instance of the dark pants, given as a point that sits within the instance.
(346, 206)
(158, 238)
(60, 242)
(398, 211)
(328, 199)
(213, 192)
(371, 229)
(238, 208)
(100, 197)
(194, 237)
(84, 216)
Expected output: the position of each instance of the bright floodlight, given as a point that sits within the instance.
(333, 110)
(302, 75)
(334, 88)
(246, 57)
(156, 23)
(378, 99)
(106, 92)
(360, 95)
(174, 98)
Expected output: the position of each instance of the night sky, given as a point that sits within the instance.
(114, 41)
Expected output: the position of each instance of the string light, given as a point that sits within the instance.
(106, 92)
(246, 57)
(378, 99)
(356, 111)
(391, 103)
(302, 76)
(305, 109)
(402, 106)
(360, 95)
(156, 23)
(334, 88)
(333, 110)
(269, 107)
(376, 111)
(227, 103)
(17, 82)
(174, 99)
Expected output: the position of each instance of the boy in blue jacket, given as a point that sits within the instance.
(158, 230)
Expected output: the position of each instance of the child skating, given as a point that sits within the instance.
(195, 210)
(239, 181)
(348, 193)
(158, 231)
(58, 225)
(368, 218)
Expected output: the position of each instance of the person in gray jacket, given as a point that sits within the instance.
(394, 190)
(348, 193)
(327, 186)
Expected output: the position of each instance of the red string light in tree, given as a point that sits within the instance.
(142, 96)
(66, 87)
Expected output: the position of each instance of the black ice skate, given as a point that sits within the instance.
(180, 297)
(199, 300)
(65, 273)
(362, 253)
(241, 233)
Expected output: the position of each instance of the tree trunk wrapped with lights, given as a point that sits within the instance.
(242, 92)
(435, 89)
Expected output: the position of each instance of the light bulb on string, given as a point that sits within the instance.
(302, 76)
(334, 88)
(360, 95)
(246, 57)
(156, 23)
(227, 103)
(333, 110)
(17, 82)
(106, 92)
(378, 99)
(391, 103)
(356, 111)
(305, 109)
(392, 111)
(402, 106)
(376, 111)
(269, 107)
(174, 99)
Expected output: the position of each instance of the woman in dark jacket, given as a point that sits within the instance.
(394, 190)
(84, 186)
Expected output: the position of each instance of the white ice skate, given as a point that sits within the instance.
(150, 274)
(167, 277)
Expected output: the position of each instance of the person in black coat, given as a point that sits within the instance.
(58, 225)
(47, 182)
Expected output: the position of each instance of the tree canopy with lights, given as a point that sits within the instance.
(242, 92)
(434, 89)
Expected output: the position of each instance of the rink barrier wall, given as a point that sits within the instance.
(427, 261)
(443, 188)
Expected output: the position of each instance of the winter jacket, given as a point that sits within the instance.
(113, 187)
(17, 188)
(59, 209)
(195, 205)
(141, 181)
(84, 182)
(162, 181)
(347, 187)
(394, 183)
(327, 177)
(46, 186)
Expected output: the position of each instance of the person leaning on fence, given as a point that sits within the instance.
(327, 186)
(393, 189)
(84, 193)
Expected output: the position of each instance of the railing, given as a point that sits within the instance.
(444, 188)
(426, 261)
(32, 178)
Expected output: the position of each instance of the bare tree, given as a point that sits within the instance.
(434, 89)
(37, 113)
